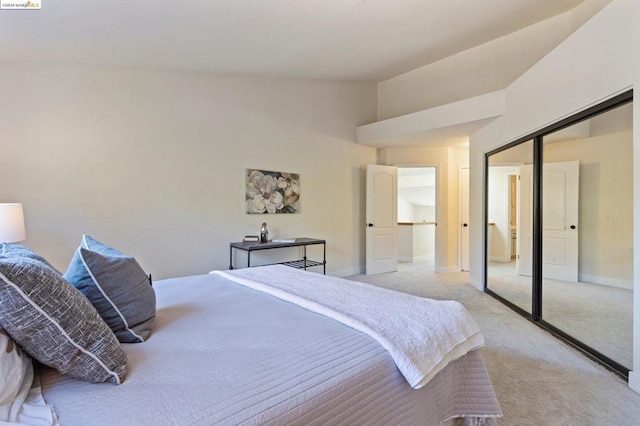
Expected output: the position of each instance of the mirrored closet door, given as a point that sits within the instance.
(559, 230)
(587, 241)
(509, 225)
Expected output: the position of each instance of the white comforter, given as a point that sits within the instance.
(222, 353)
(422, 335)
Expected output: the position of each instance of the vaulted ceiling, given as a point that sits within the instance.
(370, 40)
(466, 47)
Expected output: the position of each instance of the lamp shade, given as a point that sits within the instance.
(11, 223)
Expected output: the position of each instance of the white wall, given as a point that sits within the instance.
(472, 72)
(153, 162)
(405, 243)
(416, 243)
(406, 211)
(425, 213)
(423, 242)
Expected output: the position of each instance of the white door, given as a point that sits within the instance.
(524, 230)
(559, 221)
(464, 218)
(382, 219)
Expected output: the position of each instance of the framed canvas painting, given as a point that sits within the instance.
(269, 192)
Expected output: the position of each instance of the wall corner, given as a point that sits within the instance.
(477, 284)
(634, 381)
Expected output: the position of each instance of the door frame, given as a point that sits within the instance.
(436, 236)
(461, 220)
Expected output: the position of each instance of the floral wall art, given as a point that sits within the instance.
(272, 192)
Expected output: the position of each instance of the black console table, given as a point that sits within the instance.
(303, 263)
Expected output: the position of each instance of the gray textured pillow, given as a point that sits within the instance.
(18, 250)
(117, 287)
(56, 324)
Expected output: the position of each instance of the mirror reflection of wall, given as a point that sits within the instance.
(505, 276)
(584, 289)
(595, 306)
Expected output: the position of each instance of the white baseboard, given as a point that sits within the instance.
(476, 283)
(611, 282)
(347, 272)
(414, 259)
(634, 381)
(447, 269)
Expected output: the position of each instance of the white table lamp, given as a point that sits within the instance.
(11, 223)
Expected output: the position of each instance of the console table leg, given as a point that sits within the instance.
(304, 257)
(324, 259)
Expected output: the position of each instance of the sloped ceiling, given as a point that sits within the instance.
(462, 48)
(371, 40)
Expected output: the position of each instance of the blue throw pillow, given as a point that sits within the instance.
(117, 287)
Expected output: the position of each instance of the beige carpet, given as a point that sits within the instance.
(598, 315)
(538, 379)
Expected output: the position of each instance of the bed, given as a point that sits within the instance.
(268, 345)
(250, 346)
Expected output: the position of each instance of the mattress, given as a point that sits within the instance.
(222, 353)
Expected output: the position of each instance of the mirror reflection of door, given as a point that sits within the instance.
(513, 214)
(594, 305)
(560, 220)
(586, 260)
(506, 211)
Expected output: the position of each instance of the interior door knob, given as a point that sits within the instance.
(573, 227)
(465, 225)
(369, 225)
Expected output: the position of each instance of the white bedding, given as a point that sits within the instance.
(422, 335)
(221, 353)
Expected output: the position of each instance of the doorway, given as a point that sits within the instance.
(417, 215)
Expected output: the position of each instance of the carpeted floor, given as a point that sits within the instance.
(598, 315)
(538, 379)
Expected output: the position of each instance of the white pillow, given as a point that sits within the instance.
(20, 403)
(14, 366)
